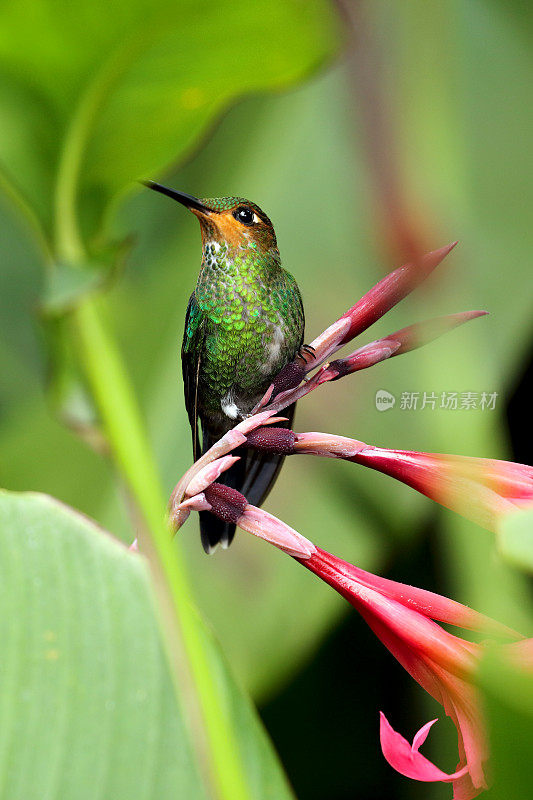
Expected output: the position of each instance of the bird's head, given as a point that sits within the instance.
(233, 221)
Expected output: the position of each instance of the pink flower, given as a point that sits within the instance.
(403, 618)
(389, 291)
(231, 506)
(481, 489)
(178, 513)
(395, 344)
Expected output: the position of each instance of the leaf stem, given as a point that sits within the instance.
(120, 414)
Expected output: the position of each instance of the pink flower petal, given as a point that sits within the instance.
(208, 474)
(421, 333)
(395, 344)
(327, 342)
(273, 530)
(251, 423)
(441, 663)
(421, 736)
(406, 759)
(197, 503)
(328, 445)
(390, 290)
(479, 489)
(362, 358)
(432, 605)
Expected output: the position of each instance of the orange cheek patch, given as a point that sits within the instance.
(228, 228)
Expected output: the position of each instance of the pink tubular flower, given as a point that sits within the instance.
(231, 506)
(481, 489)
(403, 617)
(395, 344)
(443, 664)
(389, 291)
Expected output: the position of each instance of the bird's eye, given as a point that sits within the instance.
(244, 214)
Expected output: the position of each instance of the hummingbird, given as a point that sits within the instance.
(244, 323)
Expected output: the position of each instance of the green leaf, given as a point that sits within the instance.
(515, 539)
(87, 702)
(96, 94)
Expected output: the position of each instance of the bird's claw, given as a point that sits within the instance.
(306, 353)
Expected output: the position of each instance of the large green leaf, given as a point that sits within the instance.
(96, 94)
(87, 702)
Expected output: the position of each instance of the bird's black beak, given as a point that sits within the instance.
(185, 199)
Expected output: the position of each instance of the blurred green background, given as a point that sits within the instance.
(411, 132)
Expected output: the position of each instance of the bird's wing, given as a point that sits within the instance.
(191, 356)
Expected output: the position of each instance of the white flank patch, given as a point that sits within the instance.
(229, 408)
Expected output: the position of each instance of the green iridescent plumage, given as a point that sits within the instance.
(250, 313)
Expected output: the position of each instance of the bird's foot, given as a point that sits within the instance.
(306, 353)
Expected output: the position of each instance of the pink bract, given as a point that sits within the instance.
(405, 758)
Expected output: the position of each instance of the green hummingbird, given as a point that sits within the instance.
(244, 323)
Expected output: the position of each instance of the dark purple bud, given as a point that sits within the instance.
(226, 503)
(290, 376)
(340, 367)
(278, 441)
